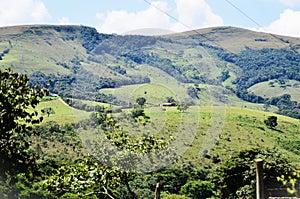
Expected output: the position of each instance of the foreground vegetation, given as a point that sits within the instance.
(69, 160)
(125, 114)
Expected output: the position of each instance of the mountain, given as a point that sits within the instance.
(149, 32)
(223, 88)
(220, 65)
(236, 39)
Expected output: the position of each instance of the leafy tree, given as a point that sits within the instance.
(48, 111)
(291, 182)
(138, 114)
(271, 121)
(17, 103)
(129, 155)
(171, 99)
(141, 101)
(83, 178)
(16, 100)
(197, 189)
(235, 178)
(224, 75)
(172, 179)
(183, 107)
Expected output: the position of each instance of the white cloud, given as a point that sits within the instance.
(64, 21)
(287, 24)
(191, 13)
(123, 21)
(15, 12)
(290, 2)
(195, 14)
(100, 16)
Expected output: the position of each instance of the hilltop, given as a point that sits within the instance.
(236, 39)
(217, 65)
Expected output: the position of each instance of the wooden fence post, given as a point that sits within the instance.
(259, 179)
(157, 191)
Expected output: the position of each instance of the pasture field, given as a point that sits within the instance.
(273, 89)
(62, 112)
(216, 132)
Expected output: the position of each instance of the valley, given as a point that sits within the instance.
(133, 108)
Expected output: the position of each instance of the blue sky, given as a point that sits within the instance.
(119, 16)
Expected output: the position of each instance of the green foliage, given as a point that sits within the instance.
(82, 84)
(122, 45)
(171, 99)
(79, 105)
(271, 122)
(235, 178)
(137, 112)
(197, 189)
(90, 38)
(183, 107)
(29, 189)
(124, 151)
(52, 131)
(118, 69)
(262, 65)
(83, 178)
(285, 105)
(290, 145)
(16, 100)
(224, 75)
(290, 182)
(174, 196)
(193, 92)
(141, 101)
(265, 64)
(129, 155)
(47, 111)
(172, 179)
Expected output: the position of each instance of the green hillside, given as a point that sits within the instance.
(62, 113)
(38, 49)
(218, 130)
(79, 62)
(275, 89)
(221, 89)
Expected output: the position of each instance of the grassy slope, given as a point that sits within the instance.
(162, 85)
(63, 113)
(29, 52)
(221, 131)
(235, 39)
(265, 90)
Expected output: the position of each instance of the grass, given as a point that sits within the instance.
(93, 103)
(162, 85)
(29, 53)
(226, 37)
(220, 130)
(154, 93)
(63, 113)
(221, 123)
(264, 89)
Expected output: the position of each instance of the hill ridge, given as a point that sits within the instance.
(80, 61)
